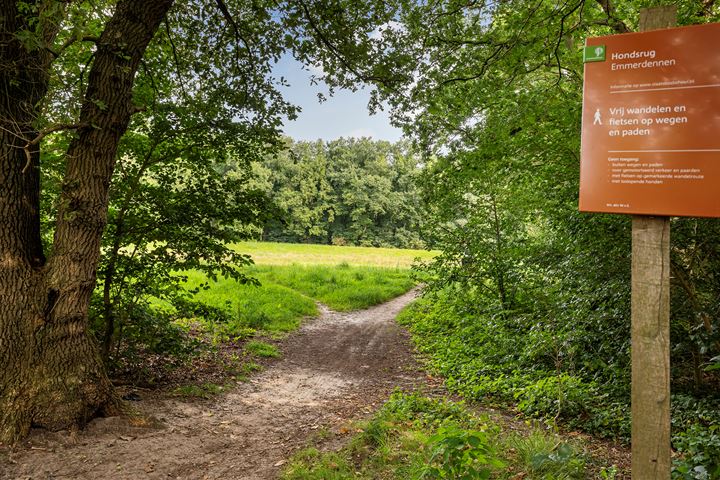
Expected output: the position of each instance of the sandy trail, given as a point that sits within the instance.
(336, 368)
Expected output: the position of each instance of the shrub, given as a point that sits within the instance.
(699, 447)
(560, 395)
(456, 453)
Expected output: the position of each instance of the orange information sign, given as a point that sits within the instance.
(651, 123)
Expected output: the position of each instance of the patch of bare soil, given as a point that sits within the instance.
(335, 369)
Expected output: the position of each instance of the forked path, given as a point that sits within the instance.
(335, 369)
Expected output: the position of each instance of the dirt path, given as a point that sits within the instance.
(337, 368)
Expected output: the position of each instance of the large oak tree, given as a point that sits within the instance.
(52, 375)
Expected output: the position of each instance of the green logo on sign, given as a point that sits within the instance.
(595, 53)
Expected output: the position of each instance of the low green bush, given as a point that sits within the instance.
(414, 437)
(457, 453)
(561, 394)
(486, 357)
(699, 449)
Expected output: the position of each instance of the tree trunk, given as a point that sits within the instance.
(52, 375)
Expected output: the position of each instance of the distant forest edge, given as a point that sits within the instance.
(349, 191)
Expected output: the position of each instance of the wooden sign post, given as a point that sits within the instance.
(650, 347)
(650, 335)
(651, 148)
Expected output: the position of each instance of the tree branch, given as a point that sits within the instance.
(613, 22)
(334, 50)
(556, 51)
(42, 134)
(70, 41)
(238, 35)
(175, 56)
(707, 7)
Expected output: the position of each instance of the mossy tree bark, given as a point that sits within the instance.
(51, 374)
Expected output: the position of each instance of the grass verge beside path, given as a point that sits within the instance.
(415, 437)
(219, 327)
(272, 308)
(288, 293)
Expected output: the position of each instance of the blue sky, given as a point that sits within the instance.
(343, 115)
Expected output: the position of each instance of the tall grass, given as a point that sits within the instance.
(413, 437)
(269, 253)
(340, 287)
(288, 293)
(272, 308)
(294, 277)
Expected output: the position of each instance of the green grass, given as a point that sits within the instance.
(269, 253)
(261, 349)
(271, 308)
(415, 437)
(288, 293)
(541, 455)
(341, 287)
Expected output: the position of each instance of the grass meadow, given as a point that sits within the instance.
(267, 253)
(294, 277)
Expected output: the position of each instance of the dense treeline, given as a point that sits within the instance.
(344, 192)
